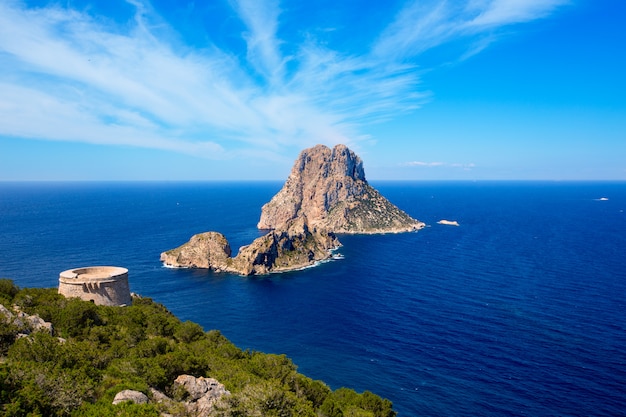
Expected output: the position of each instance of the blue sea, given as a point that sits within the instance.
(519, 311)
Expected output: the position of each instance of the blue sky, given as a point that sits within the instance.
(234, 89)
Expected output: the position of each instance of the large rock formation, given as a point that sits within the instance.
(326, 193)
(329, 188)
(292, 246)
(204, 250)
(295, 245)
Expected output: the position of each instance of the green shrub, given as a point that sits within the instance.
(8, 334)
(330, 409)
(143, 346)
(8, 290)
(125, 409)
(188, 332)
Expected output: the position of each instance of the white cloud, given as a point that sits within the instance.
(419, 26)
(423, 164)
(261, 18)
(438, 164)
(30, 113)
(67, 65)
(504, 12)
(466, 167)
(422, 25)
(66, 75)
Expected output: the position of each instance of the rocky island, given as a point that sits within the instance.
(328, 187)
(448, 222)
(326, 193)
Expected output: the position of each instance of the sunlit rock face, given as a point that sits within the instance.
(208, 250)
(293, 245)
(325, 194)
(328, 187)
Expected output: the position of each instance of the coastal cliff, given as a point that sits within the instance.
(329, 188)
(326, 193)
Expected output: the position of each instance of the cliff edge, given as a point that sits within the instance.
(326, 193)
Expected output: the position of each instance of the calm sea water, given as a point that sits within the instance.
(519, 311)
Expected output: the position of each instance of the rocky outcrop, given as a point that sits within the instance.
(326, 193)
(24, 324)
(192, 396)
(205, 250)
(328, 187)
(133, 396)
(203, 393)
(294, 245)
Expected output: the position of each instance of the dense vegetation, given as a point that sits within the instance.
(97, 351)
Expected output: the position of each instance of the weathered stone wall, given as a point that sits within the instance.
(104, 285)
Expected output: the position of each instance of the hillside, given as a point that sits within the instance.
(90, 353)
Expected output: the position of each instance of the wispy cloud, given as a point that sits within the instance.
(67, 75)
(423, 164)
(504, 12)
(422, 25)
(467, 166)
(261, 18)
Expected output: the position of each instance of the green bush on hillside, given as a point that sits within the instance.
(97, 351)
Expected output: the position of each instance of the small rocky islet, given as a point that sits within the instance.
(325, 194)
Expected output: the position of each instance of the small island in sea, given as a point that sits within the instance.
(325, 194)
(448, 222)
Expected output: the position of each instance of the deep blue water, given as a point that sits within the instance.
(519, 311)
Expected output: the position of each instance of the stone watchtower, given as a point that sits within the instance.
(103, 285)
